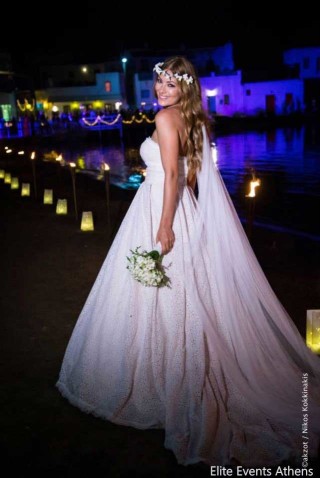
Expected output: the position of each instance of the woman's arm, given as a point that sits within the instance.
(169, 142)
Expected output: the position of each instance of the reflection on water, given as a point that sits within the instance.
(288, 166)
(126, 165)
(286, 160)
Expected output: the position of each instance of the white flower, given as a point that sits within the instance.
(157, 68)
(187, 78)
(147, 269)
(179, 77)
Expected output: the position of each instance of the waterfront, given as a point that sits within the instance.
(286, 160)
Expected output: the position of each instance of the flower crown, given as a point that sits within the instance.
(187, 78)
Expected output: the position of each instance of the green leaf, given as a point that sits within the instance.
(154, 254)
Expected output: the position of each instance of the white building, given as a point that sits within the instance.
(105, 94)
(226, 95)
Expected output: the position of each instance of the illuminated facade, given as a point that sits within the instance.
(106, 87)
(104, 95)
(229, 96)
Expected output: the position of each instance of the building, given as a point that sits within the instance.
(227, 95)
(223, 90)
(128, 82)
(16, 91)
(218, 59)
(104, 95)
(307, 60)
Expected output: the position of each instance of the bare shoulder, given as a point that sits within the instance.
(166, 116)
(169, 118)
(169, 125)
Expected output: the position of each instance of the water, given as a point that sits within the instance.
(286, 160)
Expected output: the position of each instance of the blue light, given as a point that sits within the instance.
(135, 178)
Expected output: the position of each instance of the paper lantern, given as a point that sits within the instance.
(15, 183)
(7, 178)
(2, 173)
(81, 163)
(62, 206)
(87, 221)
(25, 189)
(313, 330)
(48, 196)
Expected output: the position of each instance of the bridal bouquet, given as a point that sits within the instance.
(147, 269)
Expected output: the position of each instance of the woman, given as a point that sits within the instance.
(214, 359)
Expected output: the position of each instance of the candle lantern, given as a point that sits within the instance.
(48, 196)
(81, 163)
(313, 330)
(33, 163)
(25, 189)
(73, 177)
(107, 187)
(87, 221)
(62, 206)
(7, 178)
(2, 173)
(15, 183)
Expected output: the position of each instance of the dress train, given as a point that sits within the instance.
(215, 360)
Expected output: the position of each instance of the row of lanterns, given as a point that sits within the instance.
(13, 181)
(87, 223)
(62, 205)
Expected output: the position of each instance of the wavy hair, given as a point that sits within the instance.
(191, 109)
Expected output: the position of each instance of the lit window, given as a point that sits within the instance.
(107, 86)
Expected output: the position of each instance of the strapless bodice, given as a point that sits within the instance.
(150, 153)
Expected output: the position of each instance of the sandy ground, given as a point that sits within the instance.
(47, 269)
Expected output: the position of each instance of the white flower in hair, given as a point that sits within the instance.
(157, 68)
(187, 78)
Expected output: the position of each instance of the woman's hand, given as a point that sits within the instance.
(166, 238)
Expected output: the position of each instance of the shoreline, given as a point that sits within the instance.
(133, 134)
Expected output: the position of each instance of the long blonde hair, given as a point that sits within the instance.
(191, 109)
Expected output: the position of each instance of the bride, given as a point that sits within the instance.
(214, 359)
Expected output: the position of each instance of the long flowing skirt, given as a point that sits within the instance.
(142, 357)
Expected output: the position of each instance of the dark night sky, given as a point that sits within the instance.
(259, 31)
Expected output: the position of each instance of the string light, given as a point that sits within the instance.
(100, 120)
(26, 105)
(139, 121)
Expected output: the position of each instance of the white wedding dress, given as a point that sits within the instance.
(214, 360)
